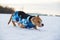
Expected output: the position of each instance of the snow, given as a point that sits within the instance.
(50, 31)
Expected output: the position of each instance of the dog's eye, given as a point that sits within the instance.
(38, 21)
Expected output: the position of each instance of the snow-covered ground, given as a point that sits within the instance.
(50, 31)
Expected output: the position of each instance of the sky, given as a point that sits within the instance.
(27, 1)
(37, 6)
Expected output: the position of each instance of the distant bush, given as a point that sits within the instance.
(57, 15)
(6, 10)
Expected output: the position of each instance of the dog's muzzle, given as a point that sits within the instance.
(41, 25)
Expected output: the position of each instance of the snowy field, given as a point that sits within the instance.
(50, 31)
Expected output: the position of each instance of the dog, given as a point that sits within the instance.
(25, 20)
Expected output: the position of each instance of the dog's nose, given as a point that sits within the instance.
(42, 24)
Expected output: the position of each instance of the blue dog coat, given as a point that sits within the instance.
(25, 21)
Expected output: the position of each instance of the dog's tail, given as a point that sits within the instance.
(10, 19)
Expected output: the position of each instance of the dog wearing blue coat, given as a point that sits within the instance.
(25, 20)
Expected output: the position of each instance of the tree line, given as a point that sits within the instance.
(6, 10)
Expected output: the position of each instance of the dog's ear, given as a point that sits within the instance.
(39, 18)
(37, 15)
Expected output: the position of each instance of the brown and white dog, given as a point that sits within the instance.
(25, 20)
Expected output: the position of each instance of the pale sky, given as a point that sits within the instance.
(27, 1)
(38, 6)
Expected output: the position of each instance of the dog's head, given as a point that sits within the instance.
(37, 21)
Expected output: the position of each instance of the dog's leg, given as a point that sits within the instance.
(10, 19)
(35, 27)
(21, 25)
(13, 23)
